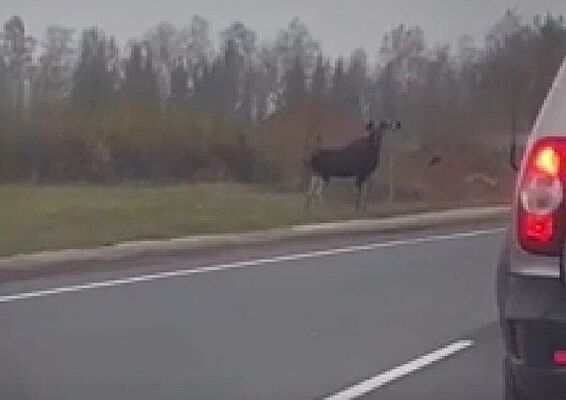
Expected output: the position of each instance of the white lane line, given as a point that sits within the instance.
(391, 375)
(241, 264)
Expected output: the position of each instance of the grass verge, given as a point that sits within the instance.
(34, 218)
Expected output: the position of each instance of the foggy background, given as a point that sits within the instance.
(340, 25)
(151, 119)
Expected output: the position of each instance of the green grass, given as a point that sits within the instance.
(36, 218)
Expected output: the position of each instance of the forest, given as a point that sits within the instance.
(178, 104)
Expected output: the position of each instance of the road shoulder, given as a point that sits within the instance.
(75, 260)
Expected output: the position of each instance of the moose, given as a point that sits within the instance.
(357, 160)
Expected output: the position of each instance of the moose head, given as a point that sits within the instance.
(376, 131)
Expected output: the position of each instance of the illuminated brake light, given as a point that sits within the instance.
(541, 194)
(547, 161)
(560, 358)
(539, 227)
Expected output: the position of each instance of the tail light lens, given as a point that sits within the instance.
(541, 195)
(559, 358)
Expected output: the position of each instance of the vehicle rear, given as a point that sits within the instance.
(531, 278)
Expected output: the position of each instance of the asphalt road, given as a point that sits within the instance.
(284, 321)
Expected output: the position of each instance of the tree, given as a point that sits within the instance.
(296, 52)
(504, 28)
(194, 52)
(437, 98)
(93, 81)
(400, 49)
(56, 64)
(295, 82)
(4, 87)
(268, 85)
(508, 66)
(17, 53)
(179, 82)
(239, 46)
(356, 76)
(318, 85)
(193, 44)
(296, 42)
(401, 56)
(18, 47)
(141, 81)
(349, 86)
(468, 63)
(549, 51)
(338, 83)
(243, 39)
(162, 40)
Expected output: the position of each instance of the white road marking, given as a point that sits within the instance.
(241, 264)
(391, 375)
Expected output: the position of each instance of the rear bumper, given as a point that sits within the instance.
(539, 382)
(530, 298)
(533, 320)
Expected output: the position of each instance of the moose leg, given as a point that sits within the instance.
(320, 188)
(359, 185)
(364, 195)
(312, 190)
(361, 192)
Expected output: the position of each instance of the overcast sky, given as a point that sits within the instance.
(341, 25)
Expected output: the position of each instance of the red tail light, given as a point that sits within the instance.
(559, 358)
(541, 194)
(547, 161)
(539, 228)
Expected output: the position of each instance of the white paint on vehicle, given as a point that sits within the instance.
(384, 378)
(241, 264)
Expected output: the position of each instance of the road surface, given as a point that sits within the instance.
(396, 316)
